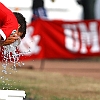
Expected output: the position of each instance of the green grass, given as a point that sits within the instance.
(40, 85)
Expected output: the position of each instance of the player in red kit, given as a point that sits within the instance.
(12, 26)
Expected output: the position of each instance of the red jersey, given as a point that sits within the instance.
(8, 21)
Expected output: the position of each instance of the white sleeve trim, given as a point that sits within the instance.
(2, 34)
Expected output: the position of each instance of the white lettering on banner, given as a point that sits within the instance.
(88, 37)
(29, 44)
(71, 40)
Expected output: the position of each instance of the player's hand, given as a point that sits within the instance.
(10, 40)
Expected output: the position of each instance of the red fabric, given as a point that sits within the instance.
(8, 21)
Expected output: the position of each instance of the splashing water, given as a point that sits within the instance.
(10, 54)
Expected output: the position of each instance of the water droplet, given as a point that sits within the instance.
(3, 88)
(1, 77)
(3, 81)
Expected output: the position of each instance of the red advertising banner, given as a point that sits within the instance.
(61, 39)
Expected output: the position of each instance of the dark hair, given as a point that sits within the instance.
(21, 20)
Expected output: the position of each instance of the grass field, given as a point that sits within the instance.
(45, 85)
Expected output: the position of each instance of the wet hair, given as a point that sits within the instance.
(21, 20)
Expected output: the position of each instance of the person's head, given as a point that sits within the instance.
(22, 24)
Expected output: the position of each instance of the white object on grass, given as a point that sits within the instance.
(12, 94)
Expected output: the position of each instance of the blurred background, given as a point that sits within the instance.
(77, 79)
(65, 9)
